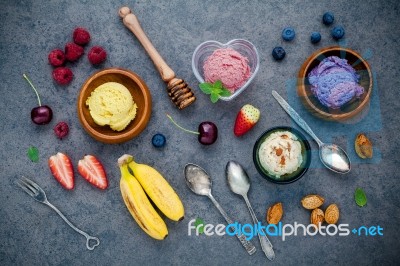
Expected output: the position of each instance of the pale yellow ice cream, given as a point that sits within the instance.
(280, 153)
(111, 104)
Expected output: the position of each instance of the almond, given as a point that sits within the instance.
(274, 213)
(332, 214)
(317, 217)
(311, 202)
(363, 146)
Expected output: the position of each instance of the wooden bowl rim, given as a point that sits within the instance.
(302, 77)
(123, 136)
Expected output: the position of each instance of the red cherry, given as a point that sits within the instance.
(42, 114)
(208, 133)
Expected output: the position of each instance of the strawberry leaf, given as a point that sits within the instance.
(215, 90)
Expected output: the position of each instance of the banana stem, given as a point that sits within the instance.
(124, 159)
(124, 170)
(184, 129)
(33, 87)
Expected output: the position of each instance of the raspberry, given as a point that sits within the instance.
(97, 55)
(73, 51)
(81, 36)
(56, 57)
(62, 75)
(61, 130)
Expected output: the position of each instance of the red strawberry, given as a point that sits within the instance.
(61, 168)
(92, 170)
(246, 119)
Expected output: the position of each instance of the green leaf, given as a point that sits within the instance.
(199, 223)
(218, 84)
(33, 154)
(206, 87)
(360, 197)
(214, 97)
(225, 93)
(216, 90)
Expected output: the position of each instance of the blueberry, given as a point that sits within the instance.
(158, 140)
(278, 53)
(288, 34)
(337, 32)
(315, 37)
(328, 18)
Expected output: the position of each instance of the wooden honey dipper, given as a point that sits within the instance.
(178, 90)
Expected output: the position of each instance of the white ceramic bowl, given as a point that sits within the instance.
(244, 47)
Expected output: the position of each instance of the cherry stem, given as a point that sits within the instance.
(184, 129)
(33, 87)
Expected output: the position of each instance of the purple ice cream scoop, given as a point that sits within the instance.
(334, 82)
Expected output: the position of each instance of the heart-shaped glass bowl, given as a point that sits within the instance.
(244, 47)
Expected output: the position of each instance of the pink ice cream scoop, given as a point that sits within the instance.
(228, 66)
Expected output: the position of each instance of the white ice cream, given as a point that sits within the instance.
(280, 153)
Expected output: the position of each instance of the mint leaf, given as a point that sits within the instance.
(225, 93)
(33, 154)
(216, 90)
(199, 223)
(206, 87)
(360, 197)
(214, 97)
(218, 84)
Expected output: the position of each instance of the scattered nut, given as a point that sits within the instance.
(311, 202)
(363, 146)
(332, 214)
(317, 217)
(274, 213)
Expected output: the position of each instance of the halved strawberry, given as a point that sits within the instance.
(247, 117)
(92, 170)
(61, 168)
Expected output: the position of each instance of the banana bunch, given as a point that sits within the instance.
(147, 180)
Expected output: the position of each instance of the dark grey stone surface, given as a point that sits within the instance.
(31, 233)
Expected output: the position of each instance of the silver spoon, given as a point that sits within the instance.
(239, 182)
(200, 183)
(331, 155)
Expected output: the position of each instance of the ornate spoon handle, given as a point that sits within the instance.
(266, 245)
(250, 248)
(296, 117)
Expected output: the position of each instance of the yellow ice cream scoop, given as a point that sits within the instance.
(111, 104)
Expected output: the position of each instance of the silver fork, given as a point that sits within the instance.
(38, 194)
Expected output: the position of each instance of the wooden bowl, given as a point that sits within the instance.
(350, 109)
(140, 94)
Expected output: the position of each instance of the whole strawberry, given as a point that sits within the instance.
(247, 117)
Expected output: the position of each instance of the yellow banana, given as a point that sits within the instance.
(139, 205)
(158, 189)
